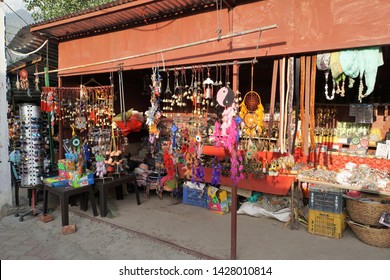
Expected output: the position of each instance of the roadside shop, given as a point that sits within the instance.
(227, 105)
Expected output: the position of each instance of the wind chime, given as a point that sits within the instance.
(208, 89)
(153, 114)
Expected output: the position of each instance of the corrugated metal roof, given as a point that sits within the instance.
(25, 42)
(120, 14)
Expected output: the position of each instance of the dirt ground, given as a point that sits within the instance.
(166, 229)
(93, 240)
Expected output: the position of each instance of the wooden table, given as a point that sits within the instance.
(64, 193)
(103, 185)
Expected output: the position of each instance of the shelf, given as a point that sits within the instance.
(278, 185)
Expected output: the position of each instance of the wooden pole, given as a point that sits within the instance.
(302, 100)
(305, 128)
(312, 100)
(273, 96)
(60, 126)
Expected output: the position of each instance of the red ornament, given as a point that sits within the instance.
(23, 74)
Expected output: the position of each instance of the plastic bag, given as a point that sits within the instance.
(254, 210)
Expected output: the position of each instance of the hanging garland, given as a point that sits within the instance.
(228, 136)
(168, 164)
(197, 172)
(216, 173)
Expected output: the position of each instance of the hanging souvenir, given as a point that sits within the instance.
(17, 84)
(36, 80)
(216, 173)
(23, 79)
(252, 111)
(208, 87)
(323, 63)
(174, 130)
(225, 97)
(168, 97)
(75, 141)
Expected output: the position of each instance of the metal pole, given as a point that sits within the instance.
(60, 126)
(233, 233)
(167, 49)
(214, 65)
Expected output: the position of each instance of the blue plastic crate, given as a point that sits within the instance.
(195, 197)
(326, 199)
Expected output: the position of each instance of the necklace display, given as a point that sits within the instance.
(326, 87)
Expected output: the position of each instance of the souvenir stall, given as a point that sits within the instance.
(92, 135)
(351, 152)
(212, 127)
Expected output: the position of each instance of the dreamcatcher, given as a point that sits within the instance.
(252, 111)
(23, 79)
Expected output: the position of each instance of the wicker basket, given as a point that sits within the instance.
(378, 237)
(365, 212)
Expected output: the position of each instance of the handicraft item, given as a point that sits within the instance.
(252, 111)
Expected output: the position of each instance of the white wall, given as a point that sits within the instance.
(5, 174)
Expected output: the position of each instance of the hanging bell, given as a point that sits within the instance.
(208, 93)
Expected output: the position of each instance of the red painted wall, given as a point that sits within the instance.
(303, 26)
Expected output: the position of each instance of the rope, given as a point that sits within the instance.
(218, 4)
(252, 76)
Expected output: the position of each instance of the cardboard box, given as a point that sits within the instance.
(76, 181)
(218, 200)
(56, 181)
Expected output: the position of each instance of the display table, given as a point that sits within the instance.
(335, 161)
(103, 185)
(279, 185)
(302, 179)
(64, 193)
